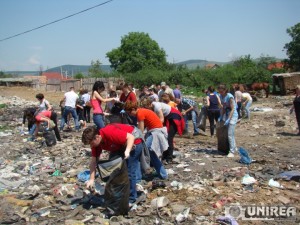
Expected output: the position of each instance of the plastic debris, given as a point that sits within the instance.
(247, 179)
(183, 215)
(273, 183)
(57, 173)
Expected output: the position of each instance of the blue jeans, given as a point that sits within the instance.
(133, 166)
(194, 120)
(231, 138)
(99, 121)
(68, 110)
(155, 161)
(32, 129)
(247, 109)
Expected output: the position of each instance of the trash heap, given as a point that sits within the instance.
(45, 185)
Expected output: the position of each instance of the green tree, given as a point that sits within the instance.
(79, 76)
(293, 48)
(95, 69)
(137, 51)
(265, 60)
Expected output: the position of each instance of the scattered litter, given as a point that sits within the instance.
(273, 183)
(247, 179)
(183, 215)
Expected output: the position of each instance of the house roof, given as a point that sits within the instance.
(211, 65)
(286, 74)
(276, 65)
(53, 75)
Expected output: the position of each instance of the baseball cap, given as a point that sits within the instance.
(163, 84)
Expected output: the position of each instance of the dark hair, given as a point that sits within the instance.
(112, 94)
(88, 135)
(98, 86)
(86, 91)
(237, 88)
(211, 89)
(40, 96)
(223, 87)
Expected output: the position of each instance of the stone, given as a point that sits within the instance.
(74, 222)
(283, 199)
(159, 202)
(176, 208)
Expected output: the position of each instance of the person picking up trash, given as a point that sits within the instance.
(119, 140)
(229, 115)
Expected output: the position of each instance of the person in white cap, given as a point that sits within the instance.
(166, 89)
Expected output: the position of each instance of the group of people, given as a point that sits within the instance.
(156, 116)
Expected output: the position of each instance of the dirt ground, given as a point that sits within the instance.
(275, 148)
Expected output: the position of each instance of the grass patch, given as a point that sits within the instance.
(3, 106)
(4, 127)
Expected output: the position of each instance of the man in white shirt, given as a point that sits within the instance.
(166, 89)
(70, 99)
(247, 102)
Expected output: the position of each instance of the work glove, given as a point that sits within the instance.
(227, 122)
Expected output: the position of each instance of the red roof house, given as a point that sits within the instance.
(276, 65)
(53, 76)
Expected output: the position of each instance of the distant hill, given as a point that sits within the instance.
(75, 69)
(23, 73)
(194, 63)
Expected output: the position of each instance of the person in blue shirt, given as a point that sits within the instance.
(229, 115)
(190, 109)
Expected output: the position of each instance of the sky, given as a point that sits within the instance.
(213, 30)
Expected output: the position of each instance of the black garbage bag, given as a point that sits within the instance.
(49, 137)
(202, 119)
(222, 136)
(117, 189)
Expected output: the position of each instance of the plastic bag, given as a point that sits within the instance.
(116, 193)
(202, 119)
(107, 167)
(222, 135)
(50, 138)
(245, 158)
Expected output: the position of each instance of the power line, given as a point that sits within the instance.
(56, 20)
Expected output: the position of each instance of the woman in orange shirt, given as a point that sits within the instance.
(156, 136)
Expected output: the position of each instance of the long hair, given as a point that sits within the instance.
(98, 86)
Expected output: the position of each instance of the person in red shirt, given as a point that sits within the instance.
(127, 95)
(156, 136)
(113, 138)
(47, 116)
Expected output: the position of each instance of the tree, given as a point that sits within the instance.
(137, 51)
(79, 76)
(95, 69)
(293, 48)
(265, 60)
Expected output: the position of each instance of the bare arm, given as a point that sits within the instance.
(207, 101)
(93, 164)
(161, 116)
(97, 96)
(232, 108)
(141, 125)
(49, 107)
(129, 145)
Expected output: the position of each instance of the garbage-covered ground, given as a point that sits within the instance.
(39, 185)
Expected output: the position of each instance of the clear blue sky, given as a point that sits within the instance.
(186, 29)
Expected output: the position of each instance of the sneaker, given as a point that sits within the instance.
(230, 155)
